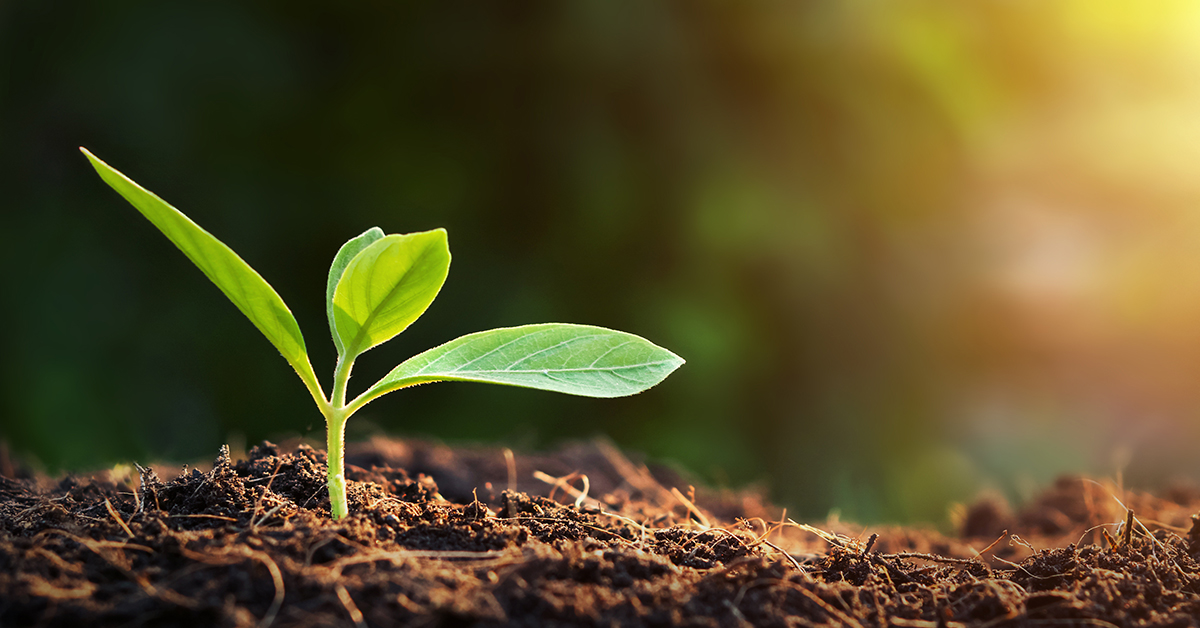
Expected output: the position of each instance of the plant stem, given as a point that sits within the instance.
(335, 425)
(341, 375)
(336, 428)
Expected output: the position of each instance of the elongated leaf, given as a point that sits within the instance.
(245, 287)
(574, 359)
(387, 286)
(343, 258)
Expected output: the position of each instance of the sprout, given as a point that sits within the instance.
(378, 285)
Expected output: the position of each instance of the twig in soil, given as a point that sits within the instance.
(316, 546)
(699, 516)
(269, 478)
(732, 535)
(749, 525)
(640, 479)
(792, 559)
(1099, 526)
(587, 486)
(980, 553)
(767, 530)
(356, 615)
(1022, 542)
(310, 497)
(258, 502)
(835, 540)
(1154, 543)
(329, 539)
(137, 498)
(1127, 531)
(408, 604)
(397, 555)
(641, 528)
(564, 483)
(893, 571)
(121, 522)
(737, 614)
(73, 568)
(510, 463)
(277, 580)
(222, 518)
(1027, 572)
(270, 513)
(20, 516)
(870, 544)
(148, 481)
(204, 480)
(934, 558)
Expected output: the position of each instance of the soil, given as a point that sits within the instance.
(456, 537)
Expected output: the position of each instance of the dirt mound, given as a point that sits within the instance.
(583, 536)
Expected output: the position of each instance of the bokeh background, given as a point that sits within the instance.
(910, 250)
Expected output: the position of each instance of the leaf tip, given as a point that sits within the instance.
(675, 363)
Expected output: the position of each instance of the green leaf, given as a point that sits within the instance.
(343, 258)
(245, 287)
(387, 286)
(574, 359)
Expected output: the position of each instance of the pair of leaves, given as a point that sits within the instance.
(379, 284)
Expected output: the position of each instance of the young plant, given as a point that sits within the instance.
(378, 285)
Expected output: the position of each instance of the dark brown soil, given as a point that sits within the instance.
(441, 536)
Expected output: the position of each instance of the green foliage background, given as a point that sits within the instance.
(778, 192)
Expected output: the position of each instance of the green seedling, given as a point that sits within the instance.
(378, 285)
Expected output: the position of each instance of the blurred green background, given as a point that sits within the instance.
(909, 250)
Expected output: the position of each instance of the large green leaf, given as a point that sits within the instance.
(387, 286)
(245, 287)
(574, 359)
(343, 258)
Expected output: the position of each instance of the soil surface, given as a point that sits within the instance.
(582, 536)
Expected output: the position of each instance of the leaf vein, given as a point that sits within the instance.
(627, 342)
(585, 369)
(497, 348)
(551, 348)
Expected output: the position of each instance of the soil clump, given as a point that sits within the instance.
(579, 537)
